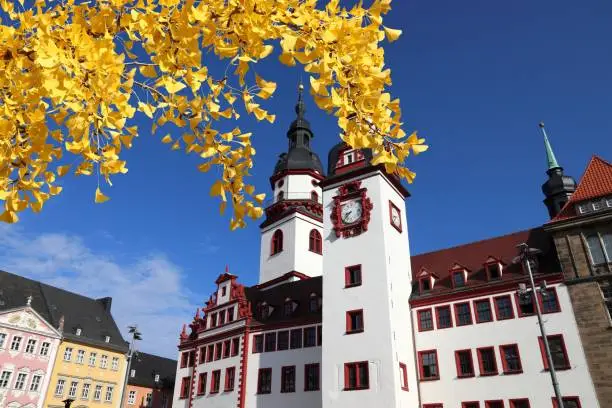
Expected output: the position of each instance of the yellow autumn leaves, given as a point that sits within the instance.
(75, 75)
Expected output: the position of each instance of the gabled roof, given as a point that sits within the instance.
(146, 366)
(91, 315)
(53, 331)
(474, 255)
(595, 182)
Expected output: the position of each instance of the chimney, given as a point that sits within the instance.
(106, 302)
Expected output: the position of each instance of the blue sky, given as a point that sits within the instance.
(474, 78)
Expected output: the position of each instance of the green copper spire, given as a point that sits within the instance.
(550, 155)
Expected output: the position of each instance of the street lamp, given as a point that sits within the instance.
(136, 335)
(524, 257)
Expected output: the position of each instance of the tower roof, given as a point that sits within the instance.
(550, 155)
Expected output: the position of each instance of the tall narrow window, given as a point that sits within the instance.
(356, 376)
(315, 243)
(16, 343)
(558, 352)
(227, 348)
(218, 350)
(549, 301)
(313, 303)
(230, 378)
(210, 352)
(464, 362)
(6, 376)
(443, 316)
(21, 379)
(487, 362)
(428, 365)
(258, 343)
(202, 383)
(264, 381)
(595, 249)
(36, 383)
(425, 285)
(311, 377)
(288, 379)
(185, 382)
(483, 311)
(354, 321)
(511, 360)
(288, 308)
(503, 308)
(215, 381)
(526, 304)
(493, 271)
(463, 314)
(296, 338)
(606, 293)
(31, 346)
(403, 376)
(235, 346)
(425, 320)
(277, 242)
(310, 336)
(270, 343)
(283, 340)
(59, 387)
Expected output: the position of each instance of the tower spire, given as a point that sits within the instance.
(300, 107)
(550, 155)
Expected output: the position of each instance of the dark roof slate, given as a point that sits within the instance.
(52, 303)
(146, 366)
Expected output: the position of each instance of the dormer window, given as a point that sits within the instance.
(582, 208)
(458, 279)
(156, 377)
(107, 339)
(133, 373)
(263, 310)
(349, 157)
(609, 202)
(78, 331)
(597, 205)
(493, 271)
(288, 308)
(313, 303)
(425, 285)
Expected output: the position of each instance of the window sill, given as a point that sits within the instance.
(513, 372)
(357, 389)
(351, 332)
(466, 376)
(313, 389)
(430, 378)
(425, 330)
(351, 285)
(404, 388)
(228, 390)
(287, 391)
(483, 321)
(264, 393)
(564, 368)
(489, 374)
(315, 252)
(552, 311)
(213, 392)
(464, 324)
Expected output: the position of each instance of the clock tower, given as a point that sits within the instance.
(367, 359)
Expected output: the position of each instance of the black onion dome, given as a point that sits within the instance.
(558, 183)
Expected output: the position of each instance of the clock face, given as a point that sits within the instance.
(351, 211)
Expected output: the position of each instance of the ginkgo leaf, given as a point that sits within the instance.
(146, 109)
(392, 34)
(172, 85)
(63, 170)
(167, 139)
(266, 88)
(100, 198)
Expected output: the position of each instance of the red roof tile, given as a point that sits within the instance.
(595, 182)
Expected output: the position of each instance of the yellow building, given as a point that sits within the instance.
(90, 364)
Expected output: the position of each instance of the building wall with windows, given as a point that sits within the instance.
(138, 397)
(92, 376)
(28, 345)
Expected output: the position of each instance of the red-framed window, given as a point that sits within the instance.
(486, 361)
(356, 376)
(264, 381)
(314, 196)
(282, 342)
(218, 351)
(470, 404)
(494, 271)
(444, 317)
(227, 344)
(425, 320)
(352, 276)
(258, 343)
(436, 405)
(230, 378)
(428, 365)
(354, 321)
(185, 385)
(403, 376)
(296, 339)
(520, 403)
(277, 242)
(202, 383)
(525, 305)
(494, 404)
(210, 352)
(503, 307)
(192, 358)
(213, 320)
(202, 357)
(482, 311)
(310, 336)
(463, 314)
(230, 314)
(288, 379)
(315, 243)
(311, 377)
(464, 363)
(424, 284)
(270, 342)
(568, 402)
(558, 352)
(549, 301)
(511, 359)
(235, 346)
(222, 318)
(458, 278)
(184, 359)
(215, 382)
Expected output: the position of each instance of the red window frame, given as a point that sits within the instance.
(494, 403)
(227, 348)
(235, 346)
(567, 364)
(458, 363)
(505, 367)
(258, 340)
(557, 304)
(210, 352)
(419, 323)
(358, 385)
(519, 312)
(480, 362)
(230, 378)
(497, 314)
(316, 369)
(192, 359)
(349, 323)
(421, 367)
(218, 351)
(215, 380)
(184, 359)
(457, 322)
(453, 273)
(202, 379)
(213, 320)
(450, 317)
(470, 404)
(347, 276)
(476, 316)
(403, 376)
(222, 318)
(315, 242)
(260, 385)
(276, 243)
(230, 314)
(566, 399)
(185, 387)
(202, 356)
(514, 401)
(285, 371)
(436, 405)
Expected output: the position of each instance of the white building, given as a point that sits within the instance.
(443, 329)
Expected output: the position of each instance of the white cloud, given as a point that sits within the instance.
(149, 291)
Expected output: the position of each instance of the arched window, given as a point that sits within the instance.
(315, 244)
(280, 196)
(314, 196)
(277, 242)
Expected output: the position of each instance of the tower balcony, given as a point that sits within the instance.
(309, 201)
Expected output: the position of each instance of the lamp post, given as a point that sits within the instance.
(525, 254)
(136, 335)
